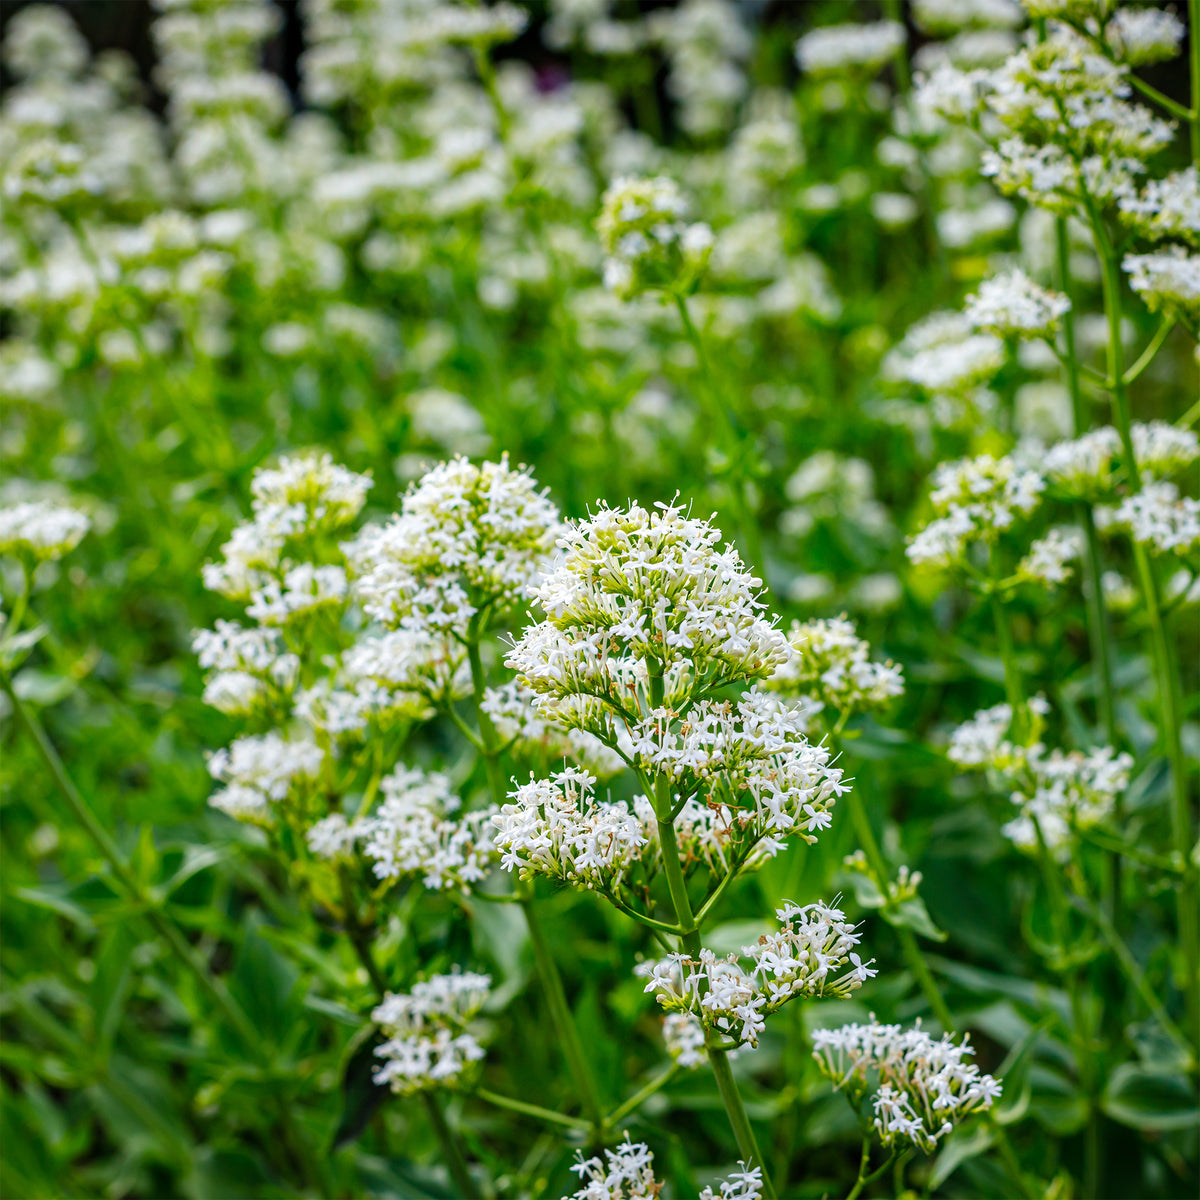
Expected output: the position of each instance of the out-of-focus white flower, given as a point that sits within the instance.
(41, 530)
(1139, 36)
(262, 771)
(832, 664)
(1012, 305)
(851, 49)
(1158, 517)
(942, 354)
(1166, 208)
(925, 1087)
(1049, 557)
(1167, 279)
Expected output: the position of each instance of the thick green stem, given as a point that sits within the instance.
(1194, 61)
(456, 1164)
(547, 968)
(1166, 667)
(735, 1110)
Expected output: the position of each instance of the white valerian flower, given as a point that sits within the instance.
(304, 589)
(1166, 208)
(938, 18)
(334, 836)
(851, 49)
(647, 241)
(332, 495)
(1161, 449)
(1158, 517)
(812, 954)
(924, 1089)
(1055, 792)
(467, 539)
(626, 1173)
(1167, 279)
(1049, 557)
(260, 772)
(975, 500)
(1012, 305)
(743, 1184)
(248, 667)
(1139, 36)
(41, 530)
(428, 1045)
(942, 354)
(832, 664)
(1082, 468)
(416, 830)
(683, 1036)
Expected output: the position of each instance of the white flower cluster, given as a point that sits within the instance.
(1169, 278)
(1083, 468)
(803, 958)
(925, 1087)
(1049, 557)
(1166, 208)
(744, 1184)
(555, 827)
(260, 772)
(1056, 792)
(415, 831)
(647, 242)
(683, 1036)
(301, 497)
(1012, 305)
(832, 664)
(250, 667)
(428, 1046)
(626, 1173)
(466, 539)
(41, 530)
(943, 354)
(1139, 36)
(854, 49)
(1158, 517)
(975, 500)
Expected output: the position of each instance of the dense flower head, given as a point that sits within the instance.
(1055, 792)
(1049, 557)
(416, 830)
(637, 591)
(332, 495)
(925, 1087)
(248, 667)
(1167, 279)
(832, 664)
(975, 500)
(626, 1173)
(943, 354)
(1139, 36)
(1012, 305)
(428, 1046)
(803, 958)
(1158, 517)
(743, 1184)
(467, 538)
(1166, 208)
(852, 49)
(683, 1036)
(260, 772)
(41, 530)
(647, 241)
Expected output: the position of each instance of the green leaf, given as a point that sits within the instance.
(1147, 1098)
(57, 901)
(915, 916)
(111, 985)
(361, 1095)
(958, 1149)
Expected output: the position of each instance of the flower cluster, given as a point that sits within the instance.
(943, 354)
(1158, 517)
(627, 1173)
(803, 958)
(850, 49)
(1056, 792)
(647, 242)
(975, 499)
(1012, 305)
(925, 1087)
(260, 772)
(1049, 557)
(40, 530)
(832, 664)
(428, 1045)
(466, 540)
(417, 831)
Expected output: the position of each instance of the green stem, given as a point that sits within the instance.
(642, 1095)
(1166, 666)
(547, 968)
(531, 1110)
(451, 1150)
(718, 1060)
(1172, 106)
(1194, 61)
(863, 1162)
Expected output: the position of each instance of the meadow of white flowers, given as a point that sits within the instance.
(601, 601)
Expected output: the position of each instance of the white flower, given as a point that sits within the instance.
(804, 958)
(334, 836)
(413, 832)
(849, 49)
(427, 1046)
(1013, 305)
(1166, 208)
(1081, 468)
(683, 1035)
(331, 494)
(646, 240)
(303, 590)
(942, 354)
(465, 537)
(1144, 35)
(41, 530)
(1168, 279)
(832, 664)
(925, 1087)
(1160, 518)
(261, 771)
(626, 1173)
(744, 1184)
(1049, 557)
